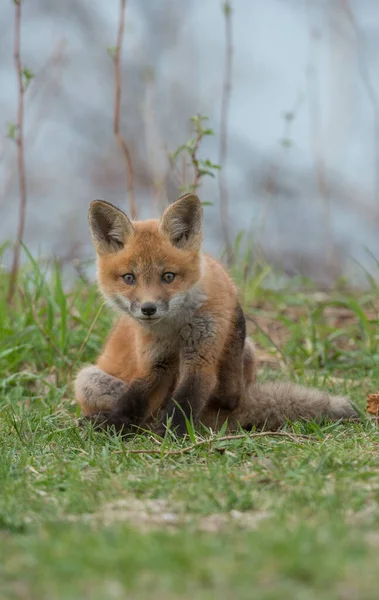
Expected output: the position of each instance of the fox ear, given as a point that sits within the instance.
(182, 222)
(110, 227)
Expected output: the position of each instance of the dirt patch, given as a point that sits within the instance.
(157, 514)
(266, 318)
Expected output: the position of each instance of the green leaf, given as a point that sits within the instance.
(227, 9)
(112, 50)
(174, 155)
(286, 142)
(203, 172)
(12, 130)
(27, 76)
(289, 116)
(208, 163)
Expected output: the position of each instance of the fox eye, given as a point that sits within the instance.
(168, 277)
(129, 278)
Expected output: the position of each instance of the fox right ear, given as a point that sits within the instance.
(182, 222)
(110, 227)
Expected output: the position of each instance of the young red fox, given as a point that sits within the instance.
(179, 349)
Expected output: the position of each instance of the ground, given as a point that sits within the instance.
(84, 515)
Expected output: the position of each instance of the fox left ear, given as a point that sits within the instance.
(110, 227)
(182, 222)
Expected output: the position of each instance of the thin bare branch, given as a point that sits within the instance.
(364, 72)
(117, 107)
(20, 153)
(223, 155)
(294, 438)
(44, 84)
(157, 160)
(320, 166)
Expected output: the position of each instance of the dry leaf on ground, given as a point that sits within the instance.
(373, 404)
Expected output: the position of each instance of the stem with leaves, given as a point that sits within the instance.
(195, 160)
(200, 167)
(23, 78)
(116, 55)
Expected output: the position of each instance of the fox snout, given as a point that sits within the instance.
(149, 309)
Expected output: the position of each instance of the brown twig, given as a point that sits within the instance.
(195, 161)
(153, 141)
(20, 154)
(372, 418)
(225, 102)
(42, 84)
(117, 107)
(295, 438)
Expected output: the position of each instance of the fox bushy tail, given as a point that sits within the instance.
(271, 405)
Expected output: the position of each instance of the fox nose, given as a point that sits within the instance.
(149, 309)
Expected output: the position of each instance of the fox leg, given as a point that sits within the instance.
(230, 368)
(220, 408)
(97, 391)
(192, 393)
(236, 373)
(236, 368)
(215, 370)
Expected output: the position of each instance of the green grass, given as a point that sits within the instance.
(81, 516)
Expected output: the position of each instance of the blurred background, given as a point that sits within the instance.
(301, 171)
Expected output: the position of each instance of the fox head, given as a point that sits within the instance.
(148, 269)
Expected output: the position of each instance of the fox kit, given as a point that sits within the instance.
(180, 341)
(179, 348)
